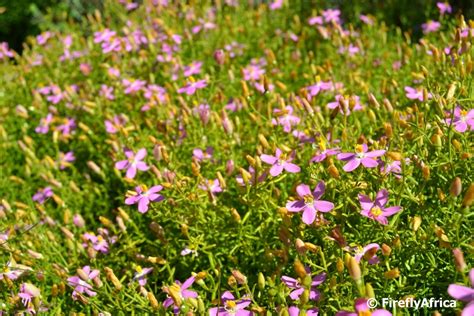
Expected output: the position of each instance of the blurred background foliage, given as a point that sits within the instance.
(21, 18)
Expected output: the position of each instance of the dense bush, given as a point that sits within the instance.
(283, 158)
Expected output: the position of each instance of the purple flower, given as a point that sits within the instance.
(368, 252)
(309, 202)
(253, 72)
(133, 162)
(286, 118)
(43, 194)
(298, 288)
(444, 7)
(319, 86)
(191, 87)
(361, 308)
(68, 126)
(279, 162)
(12, 270)
(132, 86)
(253, 177)
(213, 186)
(43, 128)
(204, 112)
(232, 307)
(416, 94)
(107, 92)
(430, 26)
(82, 282)
(361, 155)
(177, 293)
(201, 155)
(140, 275)
(376, 209)
(5, 51)
(295, 311)
(27, 292)
(114, 126)
(193, 69)
(331, 15)
(465, 294)
(346, 105)
(99, 243)
(275, 5)
(65, 159)
(143, 197)
(394, 167)
(323, 152)
(462, 121)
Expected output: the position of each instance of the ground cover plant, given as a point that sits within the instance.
(235, 158)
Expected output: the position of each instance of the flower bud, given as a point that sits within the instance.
(78, 220)
(300, 246)
(386, 250)
(229, 167)
(369, 290)
(299, 269)
(354, 269)
(332, 170)
(340, 265)
(469, 196)
(219, 56)
(459, 260)
(392, 274)
(235, 215)
(426, 172)
(152, 299)
(456, 187)
(416, 222)
(109, 273)
(239, 277)
(261, 281)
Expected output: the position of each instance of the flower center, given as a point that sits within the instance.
(359, 149)
(376, 211)
(230, 306)
(365, 313)
(308, 199)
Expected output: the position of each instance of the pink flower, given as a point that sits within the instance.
(323, 152)
(140, 275)
(253, 72)
(65, 159)
(144, 196)
(319, 86)
(285, 118)
(430, 26)
(415, 94)
(362, 155)
(132, 86)
(43, 194)
(361, 308)
(114, 126)
(213, 186)
(43, 128)
(107, 92)
(368, 252)
(366, 19)
(462, 121)
(182, 292)
(191, 87)
(376, 209)
(275, 5)
(133, 162)
(444, 7)
(201, 155)
(309, 202)
(346, 105)
(332, 15)
(82, 284)
(279, 162)
(295, 311)
(193, 69)
(465, 294)
(5, 51)
(298, 288)
(231, 306)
